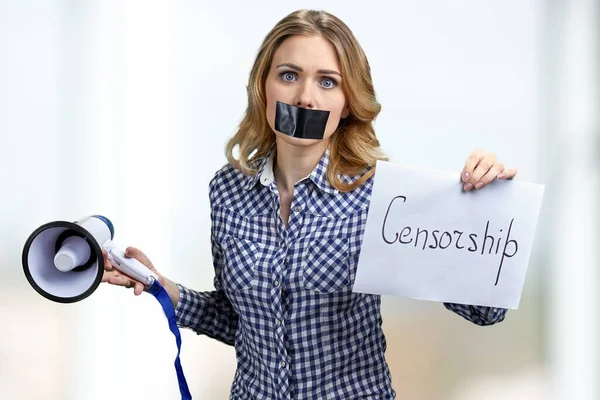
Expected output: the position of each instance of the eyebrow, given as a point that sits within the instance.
(320, 71)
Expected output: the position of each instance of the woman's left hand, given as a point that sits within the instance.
(482, 168)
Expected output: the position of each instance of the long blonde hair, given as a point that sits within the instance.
(353, 146)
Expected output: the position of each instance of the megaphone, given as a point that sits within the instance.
(63, 260)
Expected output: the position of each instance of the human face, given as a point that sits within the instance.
(306, 72)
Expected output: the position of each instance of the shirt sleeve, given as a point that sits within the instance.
(208, 313)
(479, 315)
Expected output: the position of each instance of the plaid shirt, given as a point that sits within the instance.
(284, 294)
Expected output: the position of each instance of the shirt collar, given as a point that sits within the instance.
(264, 164)
(318, 176)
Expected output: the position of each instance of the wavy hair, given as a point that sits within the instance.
(353, 147)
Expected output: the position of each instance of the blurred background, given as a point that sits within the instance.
(123, 108)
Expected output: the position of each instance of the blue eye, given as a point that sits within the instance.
(288, 76)
(328, 83)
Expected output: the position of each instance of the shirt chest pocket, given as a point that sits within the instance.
(325, 267)
(239, 271)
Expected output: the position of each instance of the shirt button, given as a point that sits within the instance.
(276, 283)
(282, 244)
(279, 322)
(287, 260)
(283, 364)
(297, 208)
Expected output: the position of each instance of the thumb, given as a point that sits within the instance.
(133, 252)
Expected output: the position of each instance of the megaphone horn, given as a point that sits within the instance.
(63, 260)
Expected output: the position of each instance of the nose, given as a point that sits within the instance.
(305, 97)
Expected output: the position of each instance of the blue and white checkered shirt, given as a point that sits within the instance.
(284, 294)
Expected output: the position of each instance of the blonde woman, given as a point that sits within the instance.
(288, 216)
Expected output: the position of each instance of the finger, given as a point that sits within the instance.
(490, 176)
(109, 274)
(471, 163)
(121, 280)
(508, 173)
(107, 264)
(136, 253)
(483, 167)
(138, 288)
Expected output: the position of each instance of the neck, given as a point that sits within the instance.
(295, 163)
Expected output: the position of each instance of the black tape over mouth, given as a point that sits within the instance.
(299, 122)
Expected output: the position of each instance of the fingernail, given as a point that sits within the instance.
(468, 187)
(479, 185)
(502, 175)
(465, 176)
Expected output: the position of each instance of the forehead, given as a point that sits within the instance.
(309, 52)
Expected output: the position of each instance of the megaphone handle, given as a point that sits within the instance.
(131, 267)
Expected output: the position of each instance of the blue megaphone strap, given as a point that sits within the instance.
(163, 298)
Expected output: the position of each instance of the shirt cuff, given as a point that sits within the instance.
(188, 307)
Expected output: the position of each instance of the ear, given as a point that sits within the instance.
(345, 112)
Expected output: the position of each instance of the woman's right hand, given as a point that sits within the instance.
(115, 277)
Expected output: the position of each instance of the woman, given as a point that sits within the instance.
(288, 218)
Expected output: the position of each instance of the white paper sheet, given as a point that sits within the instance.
(425, 237)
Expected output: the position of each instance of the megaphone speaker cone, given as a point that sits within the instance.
(70, 281)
